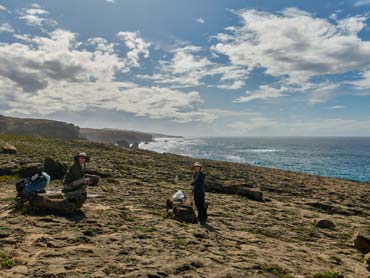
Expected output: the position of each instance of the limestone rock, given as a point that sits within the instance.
(9, 149)
(55, 169)
(134, 145)
(8, 169)
(181, 211)
(367, 261)
(361, 241)
(42, 203)
(184, 213)
(324, 223)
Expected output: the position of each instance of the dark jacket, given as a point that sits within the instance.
(75, 172)
(198, 182)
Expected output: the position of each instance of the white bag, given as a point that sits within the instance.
(179, 196)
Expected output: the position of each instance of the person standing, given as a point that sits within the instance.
(199, 192)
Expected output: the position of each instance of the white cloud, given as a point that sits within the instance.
(364, 82)
(362, 3)
(35, 16)
(200, 20)
(111, 1)
(337, 107)
(294, 46)
(185, 69)
(54, 73)
(6, 28)
(137, 46)
(2, 8)
(321, 93)
(264, 92)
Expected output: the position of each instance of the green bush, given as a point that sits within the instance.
(5, 261)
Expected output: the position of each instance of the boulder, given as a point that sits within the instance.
(367, 261)
(8, 169)
(44, 204)
(55, 169)
(361, 240)
(324, 223)
(181, 211)
(134, 145)
(184, 213)
(9, 149)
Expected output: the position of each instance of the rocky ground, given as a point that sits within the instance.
(124, 230)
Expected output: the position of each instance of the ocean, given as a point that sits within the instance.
(339, 157)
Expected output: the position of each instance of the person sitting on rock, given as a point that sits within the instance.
(199, 192)
(75, 182)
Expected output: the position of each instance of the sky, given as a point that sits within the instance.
(191, 68)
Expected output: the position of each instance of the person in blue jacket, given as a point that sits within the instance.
(199, 192)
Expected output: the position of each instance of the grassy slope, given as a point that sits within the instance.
(124, 231)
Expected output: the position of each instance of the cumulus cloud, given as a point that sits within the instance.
(137, 46)
(200, 20)
(6, 28)
(185, 69)
(294, 46)
(48, 74)
(264, 92)
(2, 8)
(35, 16)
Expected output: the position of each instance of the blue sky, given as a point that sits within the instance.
(195, 68)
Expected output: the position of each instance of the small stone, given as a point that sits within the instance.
(324, 224)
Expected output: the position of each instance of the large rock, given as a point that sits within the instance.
(8, 169)
(45, 204)
(8, 149)
(361, 240)
(55, 169)
(184, 213)
(181, 212)
(324, 223)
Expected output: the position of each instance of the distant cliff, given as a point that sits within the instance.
(65, 131)
(123, 138)
(38, 127)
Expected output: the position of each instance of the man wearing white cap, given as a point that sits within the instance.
(199, 192)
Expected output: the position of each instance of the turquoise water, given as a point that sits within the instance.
(340, 157)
